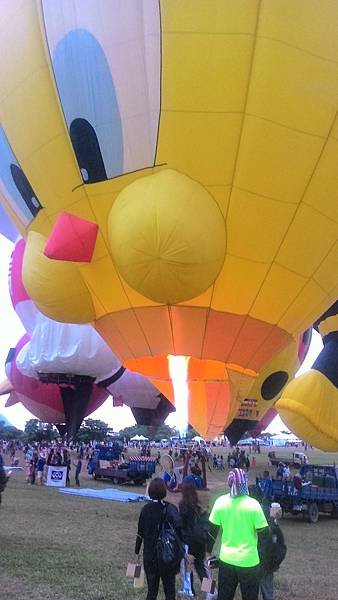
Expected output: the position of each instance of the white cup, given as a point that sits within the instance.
(275, 510)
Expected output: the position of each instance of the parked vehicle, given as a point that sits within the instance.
(107, 463)
(296, 459)
(316, 492)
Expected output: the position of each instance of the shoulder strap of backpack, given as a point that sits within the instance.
(163, 517)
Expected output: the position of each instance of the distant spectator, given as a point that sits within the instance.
(232, 462)
(78, 467)
(265, 485)
(297, 482)
(280, 470)
(30, 472)
(286, 472)
(57, 459)
(170, 479)
(50, 457)
(39, 468)
(3, 478)
(67, 463)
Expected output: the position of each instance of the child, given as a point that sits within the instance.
(30, 472)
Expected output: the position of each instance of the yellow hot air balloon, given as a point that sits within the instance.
(173, 166)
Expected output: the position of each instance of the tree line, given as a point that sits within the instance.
(90, 430)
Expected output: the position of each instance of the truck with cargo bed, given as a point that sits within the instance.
(315, 491)
(108, 463)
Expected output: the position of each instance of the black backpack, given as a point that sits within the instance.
(169, 547)
(197, 532)
(276, 548)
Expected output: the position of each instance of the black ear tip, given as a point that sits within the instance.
(330, 312)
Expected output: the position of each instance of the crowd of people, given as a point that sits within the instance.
(248, 533)
(39, 456)
(246, 523)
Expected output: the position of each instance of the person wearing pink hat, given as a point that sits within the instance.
(242, 521)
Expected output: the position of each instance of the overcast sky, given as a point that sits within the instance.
(11, 331)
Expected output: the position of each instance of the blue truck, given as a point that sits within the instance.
(314, 492)
(108, 463)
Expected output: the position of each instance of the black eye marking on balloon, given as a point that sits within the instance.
(273, 384)
(25, 190)
(87, 151)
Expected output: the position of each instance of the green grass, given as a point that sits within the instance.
(59, 547)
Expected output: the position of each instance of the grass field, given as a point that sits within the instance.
(61, 547)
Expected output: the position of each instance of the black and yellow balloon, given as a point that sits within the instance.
(192, 147)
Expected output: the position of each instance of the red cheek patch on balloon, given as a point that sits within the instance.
(72, 239)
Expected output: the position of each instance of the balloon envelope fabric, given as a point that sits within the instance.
(202, 139)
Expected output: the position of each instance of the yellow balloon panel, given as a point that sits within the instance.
(308, 26)
(278, 94)
(289, 285)
(37, 118)
(216, 136)
(324, 182)
(251, 214)
(275, 161)
(211, 16)
(294, 251)
(238, 284)
(222, 62)
(295, 313)
(20, 23)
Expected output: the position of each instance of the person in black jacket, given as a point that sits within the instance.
(149, 524)
(3, 477)
(273, 554)
(195, 528)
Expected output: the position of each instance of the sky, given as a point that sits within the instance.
(11, 331)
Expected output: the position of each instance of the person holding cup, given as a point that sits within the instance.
(274, 553)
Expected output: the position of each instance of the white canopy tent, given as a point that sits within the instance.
(138, 438)
(281, 439)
